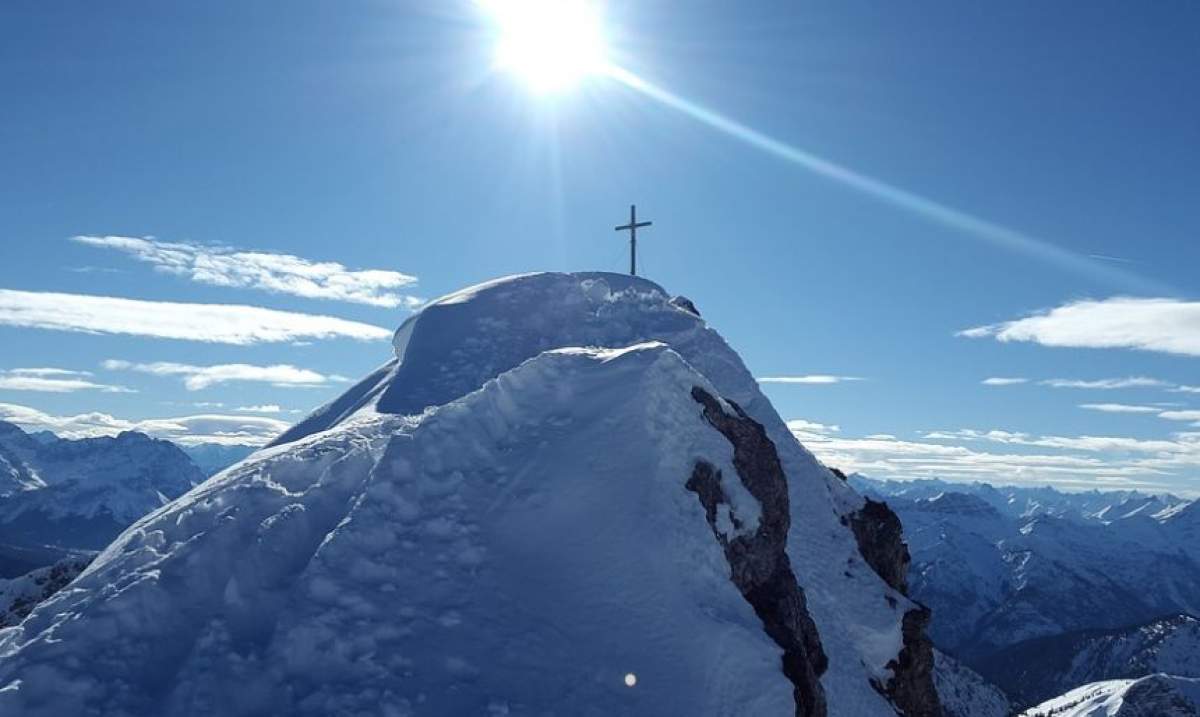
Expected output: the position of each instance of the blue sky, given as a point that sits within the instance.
(378, 136)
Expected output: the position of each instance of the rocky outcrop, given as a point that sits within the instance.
(880, 537)
(911, 687)
(758, 561)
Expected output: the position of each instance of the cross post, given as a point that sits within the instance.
(632, 228)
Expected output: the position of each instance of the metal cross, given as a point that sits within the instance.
(632, 227)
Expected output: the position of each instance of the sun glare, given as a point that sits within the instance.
(551, 45)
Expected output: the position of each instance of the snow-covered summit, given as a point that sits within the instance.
(564, 495)
(458, 342)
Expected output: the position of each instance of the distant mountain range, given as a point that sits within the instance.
(1098, 507)
(212, 458)
(1042, 591)
(1035, 670)
(60, 494)
(81, 494)
(1002, 565)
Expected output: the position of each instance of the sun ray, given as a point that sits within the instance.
(1004, 237)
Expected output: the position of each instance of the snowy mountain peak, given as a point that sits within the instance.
(951, 502)
(561, 480)
(456, 343)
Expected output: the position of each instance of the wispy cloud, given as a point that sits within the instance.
(1161, 325)
(199, 377)
(1118, 408)
(1185, 389)
(53, 380)
(1003, 381)
(185, 430)
(1076, 443)
(1187, 415)
(812, 379)
(803, 429)
(265, 408)
(268, 271)
(1107, 384)
(211, 323)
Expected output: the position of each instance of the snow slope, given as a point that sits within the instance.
(501, 520)
(1152, 696)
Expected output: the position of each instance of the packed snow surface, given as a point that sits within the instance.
(495, 522)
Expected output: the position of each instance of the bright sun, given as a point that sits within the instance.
(550, 44)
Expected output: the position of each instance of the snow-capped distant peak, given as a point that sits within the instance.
(1153, 696)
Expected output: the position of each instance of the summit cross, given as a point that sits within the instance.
(632, 228)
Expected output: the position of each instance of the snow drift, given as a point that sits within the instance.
(560, 481)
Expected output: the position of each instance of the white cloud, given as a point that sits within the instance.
(213, 323)
(812, 379)
(1180, 415)
(804, 430)
(1162, 325)
(1078, 443)
(265, 408)
(799, 424)
(53, 380)
(1002, 381)
(199, 377)
(185, 430)
(1065, 461)
(1185, 389)
(268, 271)
(1118, 408)
(46, 372)
(1107, 384)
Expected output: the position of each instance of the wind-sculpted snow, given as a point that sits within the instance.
(456, 343)
(496, 523)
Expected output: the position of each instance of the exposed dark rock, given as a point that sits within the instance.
(686, 304)
(838, 472)
(880, 538)
(911, 687)
(758, 561)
